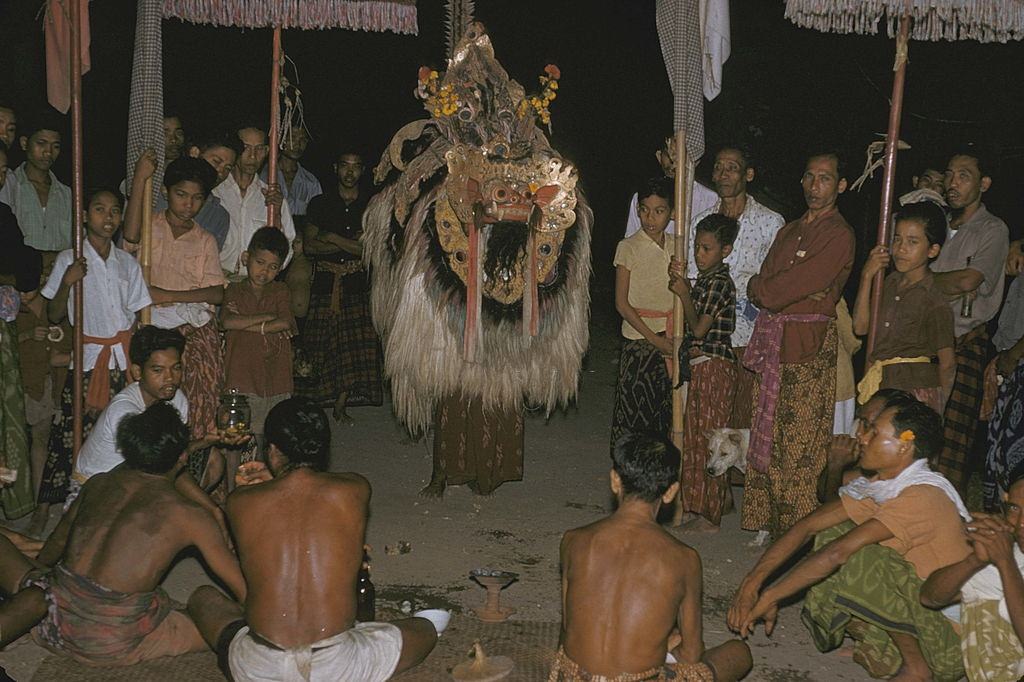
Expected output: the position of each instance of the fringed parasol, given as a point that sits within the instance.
(987, 21)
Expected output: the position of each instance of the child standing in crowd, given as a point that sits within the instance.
(258, 318)
(186, 282)
(114, 292)
(915, 323)
(708, 364)
(643, 394)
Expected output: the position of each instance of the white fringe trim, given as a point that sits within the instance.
(987, 21)
(398, 16)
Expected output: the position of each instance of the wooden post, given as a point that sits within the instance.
(892, 139)
(683, 189)
(146, 242)
(78, 232)
(273, 212)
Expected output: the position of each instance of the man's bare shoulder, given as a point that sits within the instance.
(347, 483)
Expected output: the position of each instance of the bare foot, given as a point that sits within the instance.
(434, 490)
(681, 518)
(699, 525)
(905, 674)
(341, 415)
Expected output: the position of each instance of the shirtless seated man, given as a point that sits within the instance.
(299, 531)
(112, 548)
(631, 593)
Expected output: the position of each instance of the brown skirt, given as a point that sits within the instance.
(709, 400)
(474, 446)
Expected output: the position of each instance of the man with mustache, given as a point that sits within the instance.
(970, 271)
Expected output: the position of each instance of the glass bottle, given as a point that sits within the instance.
(234, 413)
(366, 594)
(967, 300)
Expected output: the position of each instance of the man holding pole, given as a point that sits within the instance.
(793, 349)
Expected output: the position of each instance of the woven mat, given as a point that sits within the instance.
(530, 644)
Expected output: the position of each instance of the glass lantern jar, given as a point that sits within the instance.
(234, 414)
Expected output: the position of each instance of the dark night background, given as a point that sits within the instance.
(784, 88)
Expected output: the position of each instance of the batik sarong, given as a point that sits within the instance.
(564, 669)
(343, 351)
(478, 447)
(57, 471)
(643, 394)
(95, 625)
(202, 378)
(876, 592)
(16, 499)
(708, 407)
(960, 418)
(802, 435)
(1005, 437)
(744, 396)
(992, 652)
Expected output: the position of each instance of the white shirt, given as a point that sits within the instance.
(758, 227)
(248, 214)
(99, 453)
(703, 199)
(114, 292)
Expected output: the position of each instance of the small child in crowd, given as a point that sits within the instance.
(114, 292)
(643, 393)
(259, 324)
(707, 363)
(186, 282)
(914, 347)
(631, 593)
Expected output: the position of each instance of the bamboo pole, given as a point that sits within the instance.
(78, 395)
(683, 190)
(892, 138)
(146, 242)
(273, 211)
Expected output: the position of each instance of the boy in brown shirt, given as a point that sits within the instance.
(873, 548)
(630, 591)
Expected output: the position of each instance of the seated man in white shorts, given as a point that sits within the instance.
(299, 531)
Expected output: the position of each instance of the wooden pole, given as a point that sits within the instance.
(273, 212)
(78, 235)
(892, 139)
(146, 242)
(683, 189)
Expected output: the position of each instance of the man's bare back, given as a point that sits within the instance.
(126, 527)
(309, 526)
(627, 584)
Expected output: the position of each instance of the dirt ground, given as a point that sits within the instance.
(518, 528)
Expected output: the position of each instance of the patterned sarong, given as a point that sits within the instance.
(90, 623)
(708, 407)
(16, 499)
(992, 652)
(564, 669)
(802, 435)
(960, 420)
(57, 472)
(873, 593)
(763, 356)
(478, 447)
(1005, 437)
(343, 351)
(643, 395)
(743, 398)
(202, 380)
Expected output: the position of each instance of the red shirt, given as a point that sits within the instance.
(256, 363)
(805, 258)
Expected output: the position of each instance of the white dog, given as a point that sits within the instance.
(728, 449)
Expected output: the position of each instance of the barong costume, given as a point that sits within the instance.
(709, 394)
(479, 246)
(114, 293)
(643, 393)
(101, 627)
(981, 244)
(338, 337)
(879, 585)
(367, 652)
(794, 350)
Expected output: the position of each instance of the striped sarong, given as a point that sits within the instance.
(960, 419)
(876, 592)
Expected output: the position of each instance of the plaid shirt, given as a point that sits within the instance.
(714, 294)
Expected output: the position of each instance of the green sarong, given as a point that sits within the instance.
(992, 651)
(873, 593)
(17, 498)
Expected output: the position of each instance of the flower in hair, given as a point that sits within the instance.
(907, 436)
